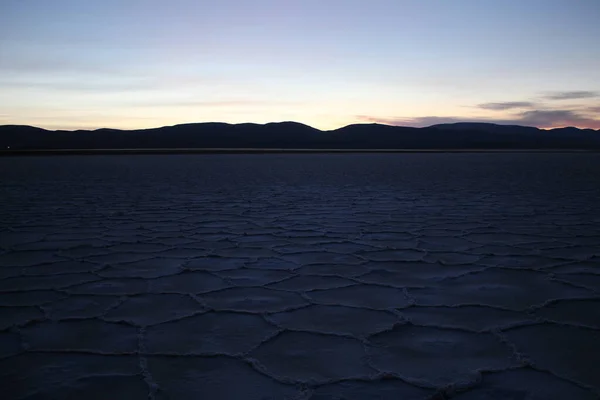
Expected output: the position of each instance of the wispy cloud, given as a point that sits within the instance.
(193, 103)
(553, 118)
(58, 64)
(574, 95)
(594, 109)
(538, 118)
(529, 113)
(507, 105)
(417, 121)
(86, 86)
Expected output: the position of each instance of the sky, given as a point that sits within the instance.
(86, 64)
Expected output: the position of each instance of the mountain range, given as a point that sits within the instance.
(293, 135)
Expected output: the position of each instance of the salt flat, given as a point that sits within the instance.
(300, 276)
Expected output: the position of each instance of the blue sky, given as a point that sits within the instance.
(72, 64)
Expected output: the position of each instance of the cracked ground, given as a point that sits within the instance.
(315, 277)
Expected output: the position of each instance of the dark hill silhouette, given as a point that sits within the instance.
(292, 135)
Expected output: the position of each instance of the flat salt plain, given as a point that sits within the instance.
(300, 276)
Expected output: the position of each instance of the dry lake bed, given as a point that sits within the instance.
(300, 276)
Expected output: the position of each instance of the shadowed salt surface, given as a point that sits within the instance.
(314, 277)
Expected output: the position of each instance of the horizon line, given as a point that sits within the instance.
(298, 123)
